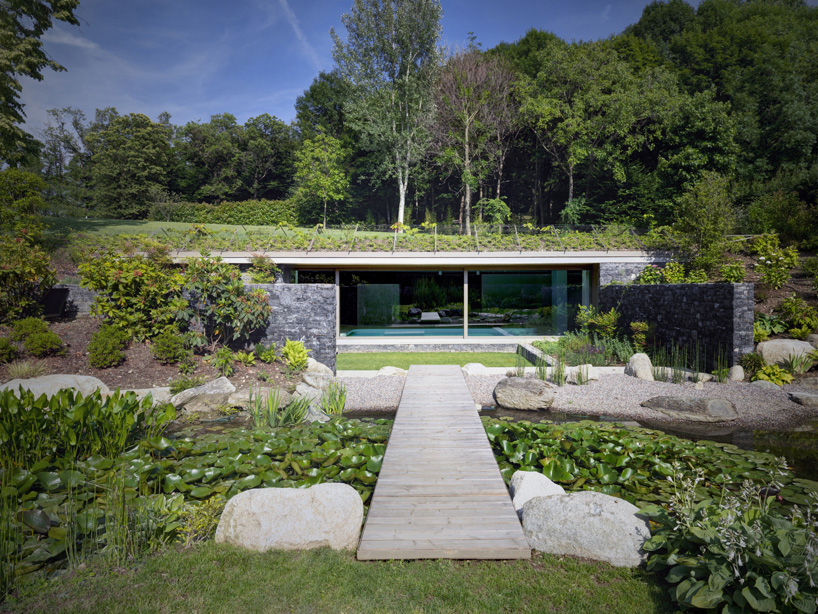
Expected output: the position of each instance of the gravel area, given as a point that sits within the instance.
(614, 396)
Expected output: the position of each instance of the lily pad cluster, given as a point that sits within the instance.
(634, 463)
(61, 506)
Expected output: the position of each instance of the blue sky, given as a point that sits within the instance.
(196, 58)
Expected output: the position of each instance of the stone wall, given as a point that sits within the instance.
(622, 272)
(303, 312)
(714, 316)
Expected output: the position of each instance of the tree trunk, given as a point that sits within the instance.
(325, 214)
(570, 181)
(467, 207)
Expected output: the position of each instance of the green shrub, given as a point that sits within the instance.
(294, 355)
(798, 314)
(774, 374)
(592, 320)
(136, 294)
(23, 329)
(262, 270)
(8, 351)
(697, 276)
(105, 348)
(642, 334)
(43, 344)
(248, 212)
(26, 277)
(266, 354)
(759, 333)
(170, 347)
(673, 273)
(222, 361)
(248, 359)
(774, 262)
(752, 362)
(428, 295)
(810, 267)
(733, 272)
(650, 275)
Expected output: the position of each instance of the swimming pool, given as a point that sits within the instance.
(442, 331)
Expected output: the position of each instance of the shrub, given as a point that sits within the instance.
(105, 348)
(248, 212)
(23, 329)
(222, 361)
(752, 362)
(8, 351)
(265, 353)
(810, 267)
(774, 374)
(26, 277)
(733, 272)
(43, 344)
(294, 355)
(136, 294)
(774, 262)
(592, 320)
(650, 275)
(798, 314)
(170, 347)
(697, 276)
(643, 335)
(219, 305)
(673, 273)
(248, 359)
(262, 270)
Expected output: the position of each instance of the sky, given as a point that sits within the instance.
(197, 58)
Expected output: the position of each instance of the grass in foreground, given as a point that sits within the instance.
(215, 579)
(376, 360)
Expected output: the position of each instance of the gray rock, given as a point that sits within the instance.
(314, 414)
(694, 409)
(778, 351)
(523, 393)
(159, 395)
(699, 386)
(392, 371)
(589, 525)
(264, 519)
(813, 340)
(640, 367)
(319, 381)
(589, 372)
(304, 391)
(526, 485)
(475, 368)
(808, 381)
(313, 366)
(804, 398)
(50, 385)
(736, 373)
(765, 385)
(204, 399)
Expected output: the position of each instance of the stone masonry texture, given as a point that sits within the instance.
(714, 317)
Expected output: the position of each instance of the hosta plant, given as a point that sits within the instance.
(773, 374)
(294, 355)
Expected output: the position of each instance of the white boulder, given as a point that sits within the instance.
(587, 372)
(587, 524)
(736, 373)
(778, 351)
(204, 399)
(313, 366)
(319, 381)
(50, 385)
(475, 368)
(392, 371)
(523, 394)
(640, 367)
(526, 485)
(261, 519)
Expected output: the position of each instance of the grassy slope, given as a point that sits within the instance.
(376, 360)
(218, 579)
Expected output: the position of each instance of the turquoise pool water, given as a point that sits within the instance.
(442, 331)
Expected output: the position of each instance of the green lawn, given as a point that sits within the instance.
(216, 579)
(376, 360)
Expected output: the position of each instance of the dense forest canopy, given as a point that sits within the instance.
(536, 131)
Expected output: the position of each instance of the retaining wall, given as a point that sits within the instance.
(623, 272)
(714, 316)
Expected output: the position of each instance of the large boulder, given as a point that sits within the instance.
(305, 391)
(765, 385)
(319, 381)
(241, 398)
(585, 372)
(778, 351)
(525, 485)
(524, 394)
(693, 409)
(205, 399)
(640, 367)
(315, 414)
(475, 368)
(50, 385)
(587, 524)
(264, 519)
(159, 395)
(813, 340)
(392, 371)
(736, 373)
(313, 366)
(804, 398)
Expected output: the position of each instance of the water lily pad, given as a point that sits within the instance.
(36, 520)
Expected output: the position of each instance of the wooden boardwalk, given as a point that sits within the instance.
(440, 494)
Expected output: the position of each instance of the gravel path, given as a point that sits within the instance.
(615, 396)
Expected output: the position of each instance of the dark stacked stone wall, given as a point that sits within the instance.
(622, 272)
(711, 316)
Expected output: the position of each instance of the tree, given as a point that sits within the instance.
(321, 107)
(22, 24)
(472, 100)
(130, 160)
(64, 157)
(391, 58)
(704, 217)
(319, 171)
(267, 147)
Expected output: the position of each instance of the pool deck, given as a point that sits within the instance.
(439, 492)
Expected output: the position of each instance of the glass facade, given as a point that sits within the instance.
(431, 303)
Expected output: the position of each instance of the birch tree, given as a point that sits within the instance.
(391, 57)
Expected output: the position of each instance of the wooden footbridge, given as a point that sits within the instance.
(439, 492)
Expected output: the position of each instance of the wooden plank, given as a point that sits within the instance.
(440, 493)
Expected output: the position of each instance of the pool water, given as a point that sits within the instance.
(443, 331)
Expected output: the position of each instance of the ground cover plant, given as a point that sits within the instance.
(403, 360)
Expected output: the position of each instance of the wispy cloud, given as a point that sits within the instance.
(606, 14)
(299, 33)
(62, 37)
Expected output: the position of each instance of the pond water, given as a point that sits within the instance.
(800, 448)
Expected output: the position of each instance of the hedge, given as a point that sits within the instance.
(249, 212)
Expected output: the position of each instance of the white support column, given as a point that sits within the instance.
(337, 303)
(465, 303)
